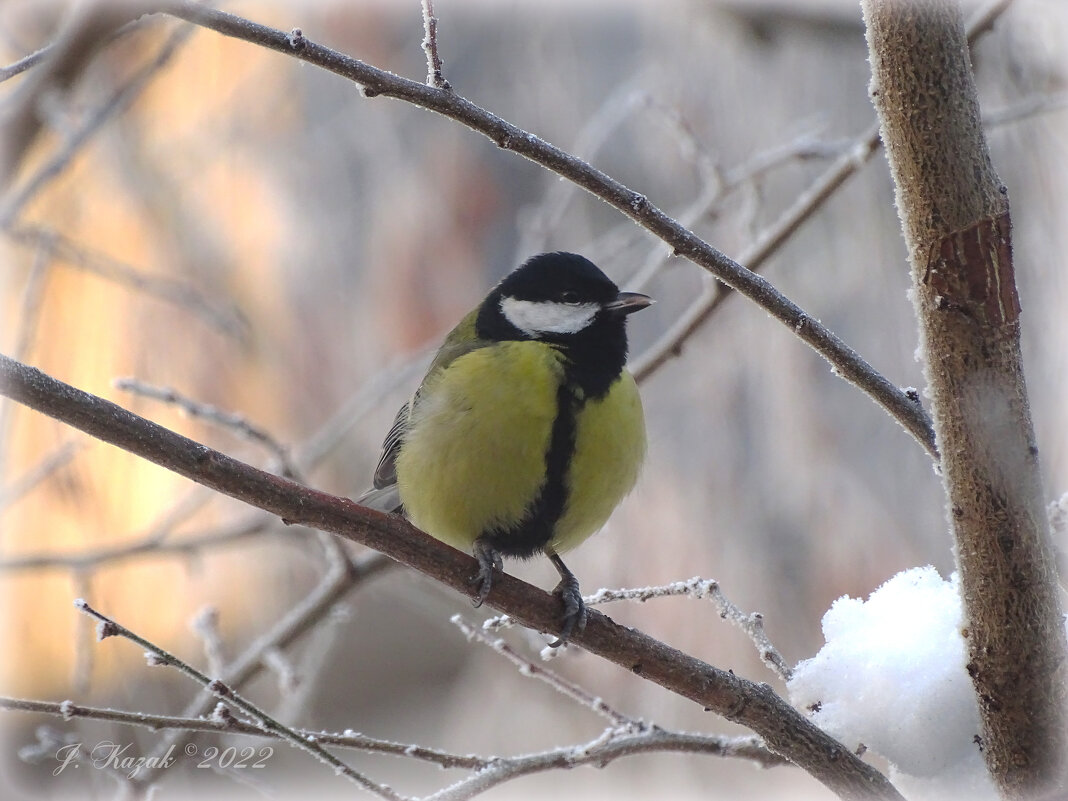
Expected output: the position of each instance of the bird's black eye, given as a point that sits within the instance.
(570, 297)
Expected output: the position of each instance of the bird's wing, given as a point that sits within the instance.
(386, 470)
(461, 340)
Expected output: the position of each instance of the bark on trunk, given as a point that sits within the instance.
(955, 216)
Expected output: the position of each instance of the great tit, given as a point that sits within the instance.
(527, 430)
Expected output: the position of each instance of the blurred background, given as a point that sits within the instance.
(254, 234)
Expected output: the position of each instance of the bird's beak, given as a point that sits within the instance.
(629, 302)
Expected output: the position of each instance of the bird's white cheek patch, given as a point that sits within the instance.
(545, 317)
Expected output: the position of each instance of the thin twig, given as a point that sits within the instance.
(1025, 109)
(206, 411)
(766, 244)
(282, 667)
(119, 101)
(554, 205)
(153, 538)
(609, 746)
(301, 617)
(24, 63)
(752, 623)
(33, 59)
(712, 195)
(33, 297)
(152, 543)
(430, 46)
(107, 627)
(369, 398)
(557, 682)
(38, 474)
(30, 306)
(84, 653)
(84, 31)
(225, 318)
(205, 624)
(68, 710)
(983, 20)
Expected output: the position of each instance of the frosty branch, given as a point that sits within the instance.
(487, 771)
(752, 623)
(156, 655)
(229, 420)
(344, 575)
(771, 238)
(784, 729)
(222, 723)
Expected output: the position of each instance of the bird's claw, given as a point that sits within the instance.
(575, 614)
(489, 560)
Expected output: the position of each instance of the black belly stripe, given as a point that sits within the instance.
(532, 534)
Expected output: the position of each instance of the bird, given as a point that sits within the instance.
(527, 430)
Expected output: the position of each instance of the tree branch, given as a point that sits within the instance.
(600, 752)
(47, 467)
(341, 579)
(87, 28)
(119, 100)
(224, 317)
(232, 725)
(310, 744)
(531, 670)
(237, 423)
(846, 362)
(773, 236)
(752, 623)
(784, 729)
(609, 746)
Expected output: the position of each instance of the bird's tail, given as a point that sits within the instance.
(386, 499)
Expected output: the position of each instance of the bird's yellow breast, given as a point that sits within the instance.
(609, 450)
(474, 454)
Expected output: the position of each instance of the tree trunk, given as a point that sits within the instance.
(955, 216)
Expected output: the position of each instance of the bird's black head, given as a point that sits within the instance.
(564, 299)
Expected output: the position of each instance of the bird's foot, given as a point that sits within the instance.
(575, 614)
(489, 559)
